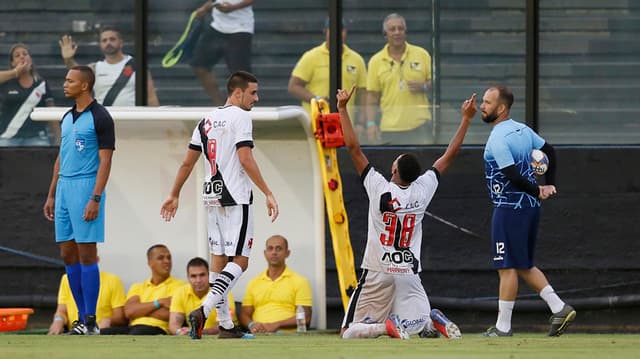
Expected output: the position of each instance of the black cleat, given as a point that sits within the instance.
(561, 320)
(196, 320)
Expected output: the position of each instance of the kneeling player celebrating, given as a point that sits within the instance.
(390, 281)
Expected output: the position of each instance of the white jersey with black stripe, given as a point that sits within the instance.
(218, 136)
(394, 237)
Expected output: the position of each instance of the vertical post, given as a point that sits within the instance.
(335, 51)
(532, 65)
(140, 38)
(435, 68)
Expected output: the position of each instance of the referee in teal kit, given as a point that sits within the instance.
(76, 194)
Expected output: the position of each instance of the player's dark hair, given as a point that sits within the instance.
(408, 167)
(87, 74)
(197, 262)
(106, 28)
(504, 95)
(241, 80)
(150, 250)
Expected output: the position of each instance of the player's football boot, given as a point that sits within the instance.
(78, 328)
(196, 320)
(446, 327)
(233, 333)
(495, 332)
(92, 326)
(394, 329)
(561, 320)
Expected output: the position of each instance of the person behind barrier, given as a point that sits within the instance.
(148, 302)
(228, 36)
(398, 79)
(271, 298)
(22, 89)
(310, 77)
(115, 74)
(188, 297)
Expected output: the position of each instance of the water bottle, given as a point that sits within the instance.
(301, 321)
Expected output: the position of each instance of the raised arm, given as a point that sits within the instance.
(350, 138)
(468, 111)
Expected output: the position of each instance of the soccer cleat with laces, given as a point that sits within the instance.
(78, 328)
(394, 329)
(196, 320)
(445, 326)
(495, 332)
(233, 333)
(561, 320)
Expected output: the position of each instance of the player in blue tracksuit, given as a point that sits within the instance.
(76, 194)
(517, 198)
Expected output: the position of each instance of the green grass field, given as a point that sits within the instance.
(310, 346)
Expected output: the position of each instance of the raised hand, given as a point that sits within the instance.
(469, 107)
(344, 97)
(67, 47)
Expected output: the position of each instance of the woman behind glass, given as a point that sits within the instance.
(22, 89)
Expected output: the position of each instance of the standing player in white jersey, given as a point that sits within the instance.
(391, 262)
(225, 139)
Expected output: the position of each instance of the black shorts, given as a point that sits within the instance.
(213, 45)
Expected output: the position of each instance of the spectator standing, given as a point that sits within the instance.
(115, 74)
(21, 90)
(228, 36)
(310, 77)
(398, 79)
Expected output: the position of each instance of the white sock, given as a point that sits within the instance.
(362, 330)
(553, 301)
(227, 278)
(224, 314)
(505, 308)
(212, 278)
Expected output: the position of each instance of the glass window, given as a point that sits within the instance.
(35, 74)
(588, 72)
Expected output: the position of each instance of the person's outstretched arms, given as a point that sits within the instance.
(468, 111)
(350, 138)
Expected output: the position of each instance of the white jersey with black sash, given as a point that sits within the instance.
(106, 76)
(394, 237)
(16, 105)
(218, 136)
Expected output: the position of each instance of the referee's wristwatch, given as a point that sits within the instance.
(96, 197)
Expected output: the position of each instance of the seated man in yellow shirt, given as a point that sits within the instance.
(148, 303)
(109, 312)
(271, 298)
(189, 297)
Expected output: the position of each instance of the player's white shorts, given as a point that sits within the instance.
(411, 303)
(372, 300)
(230, 230)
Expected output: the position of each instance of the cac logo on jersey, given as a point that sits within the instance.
(80, 144)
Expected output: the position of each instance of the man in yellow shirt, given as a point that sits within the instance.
(271, 298)
(148, 303)
(188, 297)
(397, 83)
(310, 76)
(109, 312)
